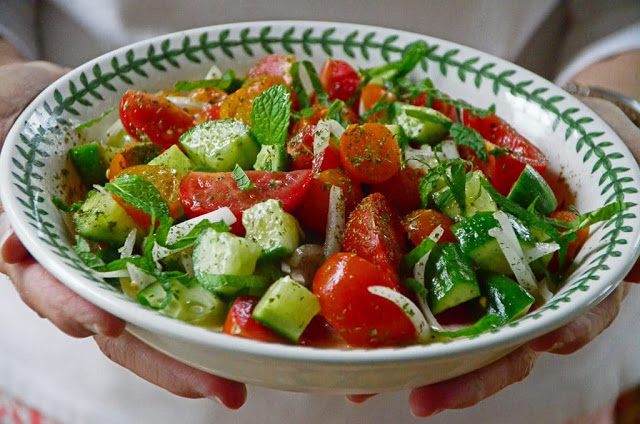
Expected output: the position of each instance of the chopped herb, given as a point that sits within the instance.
(228, 82)
(298, 87)
(241, 178)
(465, 136)
(271, 114)
(411, 259)
(84, 252)
(321, 93)
(94, 121)
(58, 203)
(140, 194)
(415, 286)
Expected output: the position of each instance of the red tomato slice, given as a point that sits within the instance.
(402, 190)
(240, 323)
(144, 114)
(329, 158)
(574, 247)
(374, 232)
(319, 333)
(420, 223)
(313, 210)
(361, 318)
(339, 79)
(300, 148)
(203, 192)
(274, 65)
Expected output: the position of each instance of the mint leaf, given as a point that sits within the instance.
(411, 259)
(457, 183)
(382, 105)
(416, 287)
(241, 178)
(465, 136)
(270, 115)
(395, 70)
(140, 194)
(430, 117)
(298, 88)
(84, 252)
(321, 93)
(94, 121)
(228, 82)
(58, 203)
(191, 237)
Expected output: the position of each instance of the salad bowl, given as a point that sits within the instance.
(591, 159)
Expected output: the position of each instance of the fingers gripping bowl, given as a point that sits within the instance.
(594, 163)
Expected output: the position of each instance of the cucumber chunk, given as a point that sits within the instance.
(475, 241)
(398, 134)
(505, 298)
(287, 307)
(220, 259)
(477, 198)
(450, 277)
(192, 304)
(272, 158)
(89, 161)
(173, 158)
(420, 131)
(268, 225)
(218, 146)
(531, 187)
(103, 220)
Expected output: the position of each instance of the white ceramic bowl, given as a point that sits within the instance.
(592, 159)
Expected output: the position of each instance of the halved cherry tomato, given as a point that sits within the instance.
(164, 180)
(361, 318)
(274, 65)
(145, 114)
(313, 210)
(212, 113)
(339, 79)
(134, 154)
(320, 112)
(238, 105)
(374, 232)
(240, 323)
(574, 246)
(444, 108)
(329, 158)
(203, 192)
(300, 148)
(370, 95)
(369, 152)
(420, 223)
(319, 333)
(401, 190)
(211, 95)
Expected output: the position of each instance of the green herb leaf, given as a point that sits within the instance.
(465, 136)
(140, 194)
(411, 259)
(58, 203)
(395, 70)
(321, 93)
(228, 82)
(484, 324)
(83, 250)
(457, 183)
(415, 286)
(121, 263)
(298, 88)
(191, 237)
(424, 116)
(382, 105)
(94, 121)
(241, 178)
(270, 115)
(219, 284)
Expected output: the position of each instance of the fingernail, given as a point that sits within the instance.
(94, 329)
(217, 399)
(429, 414)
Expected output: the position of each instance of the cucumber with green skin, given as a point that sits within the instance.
(173, 158)
(505, 298)
(287, 307)
(272, 158)
(102, 219)
(482, 248)
(90, 163)
(476, 199)
(217, 146)
(420, 131)
(450, 278)
(531, 187)
(268, 225)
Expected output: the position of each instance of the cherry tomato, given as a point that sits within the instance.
(274, 65)
(134, 154)
(374, 232)
(145, 115)
(319, 333)
(361, 318)
(401, 190)
(319, 112)
(313, 210)
(574, 247)
(164, 180)
(203, 192)
(447, 110)
(240, 323)
(211, 95)
(339, 79)
(238, 105)
(300, 148)
(212, 113)
(420, 223)
(370, 95)
(329, 158)
(369, 152)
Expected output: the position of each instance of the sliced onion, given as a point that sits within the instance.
(127, 248)
(426, 157)
(540, 250)
(324, 129)
(100, 189)
(408, 307)
(335, 222)
(213, 73)
(508, 242)
(188, 102)
(545, 293)
(184, 228)
(159, 252)
(303, 263)
(187, 263)
(139, 277)
(114, 129)
(449, 150)
(120, 273)
(418, 268)
(335, 128)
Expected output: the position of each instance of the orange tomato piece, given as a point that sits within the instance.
(420, 223)
(238, 105)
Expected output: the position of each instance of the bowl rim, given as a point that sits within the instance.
(178, 330)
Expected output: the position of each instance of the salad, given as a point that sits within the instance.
(345, 208)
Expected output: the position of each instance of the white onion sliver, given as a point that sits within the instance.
(127, 248)
(335, 222)
(408, 307)
(335, 128)
(120, 273)
(139, 277)
(418, 268)
(540, 250)
(100, 190)
(182, 101)
(213, 73)
(321, 137)
(115, 128)
(448, 151)
(187, 263)
(421, 158)
(545, 293)
(183, 228)
(508, 242)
